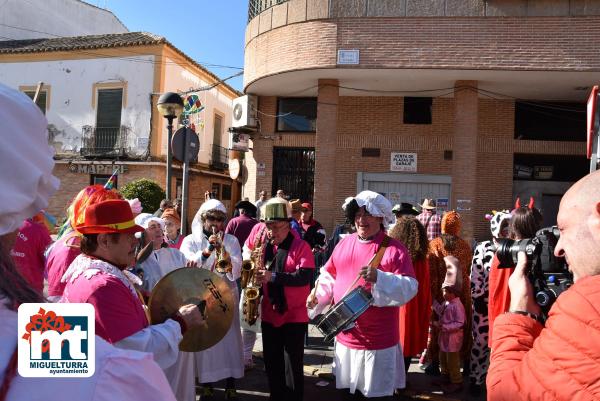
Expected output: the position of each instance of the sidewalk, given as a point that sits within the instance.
(317, 361)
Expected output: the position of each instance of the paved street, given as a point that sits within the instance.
(317, 361)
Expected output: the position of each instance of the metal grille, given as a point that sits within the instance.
(256, 7)
(294, 172)
(220, 157)
(104, 141)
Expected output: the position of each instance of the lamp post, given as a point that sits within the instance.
(170, 106)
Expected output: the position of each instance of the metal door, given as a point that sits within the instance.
(411, 188)
(294, 172)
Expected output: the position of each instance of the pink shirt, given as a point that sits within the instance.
(63, 253)
(299, 255)
(377, 328)
(119, 313)
(28, 252)
(452, 321)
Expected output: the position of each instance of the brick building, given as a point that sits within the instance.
(470, 102)
(99, 95)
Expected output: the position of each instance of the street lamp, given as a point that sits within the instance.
(170, 106)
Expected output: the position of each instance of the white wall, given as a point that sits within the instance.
(71, 93)
(178, 79)
(56, 17)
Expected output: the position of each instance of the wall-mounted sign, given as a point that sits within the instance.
(239, 141)
(260, 169)
(543, 172)
(463, 205)
(406, 162)
(234, 168)
(521, 171)
(348, 57)
(86, 168)
(442, 204)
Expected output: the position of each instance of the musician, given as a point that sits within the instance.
(155, 264)
(368, 357)
(27, 184)
(285, 283)
(205, 245)
(98, 277)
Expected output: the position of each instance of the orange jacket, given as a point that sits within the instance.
(560, 362)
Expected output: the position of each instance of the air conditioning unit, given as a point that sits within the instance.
(245, 111)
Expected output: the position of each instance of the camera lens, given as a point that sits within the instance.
(544, 298)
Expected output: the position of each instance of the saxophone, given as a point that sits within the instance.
(252, 289)
(223, 259)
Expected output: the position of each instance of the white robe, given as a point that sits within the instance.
(224, 359)
(181, 374)
(375, 373)
(120, 374)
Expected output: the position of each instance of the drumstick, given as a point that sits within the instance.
(357, 278)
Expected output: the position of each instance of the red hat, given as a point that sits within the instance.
(109, 217)
(307, 206)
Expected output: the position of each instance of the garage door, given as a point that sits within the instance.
(411, 188)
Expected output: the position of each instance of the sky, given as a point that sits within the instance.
(209, 31)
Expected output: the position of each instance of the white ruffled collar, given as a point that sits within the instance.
(89, 267)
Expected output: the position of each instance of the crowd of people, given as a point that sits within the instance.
(431, 295)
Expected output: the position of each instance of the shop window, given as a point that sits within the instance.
(545, 121)
(417, 110)
(549, 167)
(226, 192)
(297, 114)
(102, 179)
(216, 190)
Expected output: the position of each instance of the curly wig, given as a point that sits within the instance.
(412, 234)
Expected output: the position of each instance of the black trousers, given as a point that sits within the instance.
(277, 343)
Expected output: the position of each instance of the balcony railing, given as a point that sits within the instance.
(104, 141)
(256, 7)
(220, 158)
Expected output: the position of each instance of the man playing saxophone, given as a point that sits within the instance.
(286, 270)
(220, 253)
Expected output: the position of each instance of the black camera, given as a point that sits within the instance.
(548, 274)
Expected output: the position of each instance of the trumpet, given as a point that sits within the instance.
(223, 259)
(252, 289)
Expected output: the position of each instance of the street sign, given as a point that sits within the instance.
(178, 144)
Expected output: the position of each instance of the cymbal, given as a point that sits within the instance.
(190, 285)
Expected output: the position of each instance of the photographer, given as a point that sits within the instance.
(524, 223)
(560, 361)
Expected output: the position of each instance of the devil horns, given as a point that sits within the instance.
(529, 206)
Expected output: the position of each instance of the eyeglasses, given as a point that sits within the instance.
(213, 218)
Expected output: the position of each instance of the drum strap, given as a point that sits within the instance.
(379, 255)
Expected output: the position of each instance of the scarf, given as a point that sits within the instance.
(276, 293)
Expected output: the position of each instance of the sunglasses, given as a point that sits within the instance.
(213, 218)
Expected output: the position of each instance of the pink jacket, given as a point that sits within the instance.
(452, 320)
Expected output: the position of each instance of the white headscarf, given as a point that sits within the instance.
(377, 205)
(25, 160)
(144, 220)
(211, 204)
